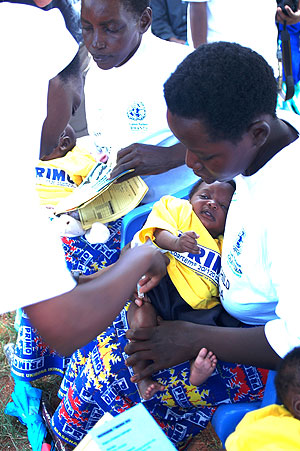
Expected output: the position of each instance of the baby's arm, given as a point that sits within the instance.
(187, 242)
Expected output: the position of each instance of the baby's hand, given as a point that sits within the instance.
(187, 242)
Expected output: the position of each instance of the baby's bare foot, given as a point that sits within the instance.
(202, 367)
(148, 388)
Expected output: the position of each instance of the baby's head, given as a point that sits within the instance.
(210, 203)
(64, 97)
(287, 382)
(67, 142)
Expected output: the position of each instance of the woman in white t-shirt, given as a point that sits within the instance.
(222, 106)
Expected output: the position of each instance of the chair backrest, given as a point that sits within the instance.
(135, 219)
(270, 395)
(227, 416)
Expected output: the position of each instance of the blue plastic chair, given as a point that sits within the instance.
(227, 416)
(135, 219)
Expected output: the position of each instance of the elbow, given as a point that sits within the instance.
(52, 326)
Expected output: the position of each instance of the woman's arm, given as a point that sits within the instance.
(198, 22)
(70, 320)
(174, 342)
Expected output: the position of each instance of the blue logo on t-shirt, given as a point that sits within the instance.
(137, 112)
(233, 256)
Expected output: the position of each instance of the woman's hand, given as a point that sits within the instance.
(174, 342)
(166, 345)
(146, 159)
(154, 274)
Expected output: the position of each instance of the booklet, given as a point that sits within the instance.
(114, 202)
(132, 430)
(99, 198)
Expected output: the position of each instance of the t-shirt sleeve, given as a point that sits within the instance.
(34, 264)
(283, 333)
(59, 45)
(166, 215)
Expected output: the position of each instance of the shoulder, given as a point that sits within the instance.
(163, 48)
(174, 203)
(44, 37)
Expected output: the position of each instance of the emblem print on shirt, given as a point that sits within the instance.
(233, 256)
(136, 114)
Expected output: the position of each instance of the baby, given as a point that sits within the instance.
(274, 426)
(191, 231)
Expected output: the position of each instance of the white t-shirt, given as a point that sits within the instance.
(35, 46)
(249, 23)
(261, 249)
(125, 105)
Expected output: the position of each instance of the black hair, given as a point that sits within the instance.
(224, 85)
(288, 374)
(197, 184)
(137, 7)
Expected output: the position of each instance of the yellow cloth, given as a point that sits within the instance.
(194, 276)
(272, 428)
(56, 179)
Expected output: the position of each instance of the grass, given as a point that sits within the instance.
(13, 435)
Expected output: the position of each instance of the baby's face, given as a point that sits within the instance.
(210, 203)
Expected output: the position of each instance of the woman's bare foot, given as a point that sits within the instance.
(148, 388)
(202, 367)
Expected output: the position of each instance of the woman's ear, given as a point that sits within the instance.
(259, 131)
(145, 20)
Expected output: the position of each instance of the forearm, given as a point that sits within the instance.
(198, 23)
(70, 320)
(247, 346)
(95, 275)
(165, 240)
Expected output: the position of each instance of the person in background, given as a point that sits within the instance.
(292, 20)
(222, 106)
(274, 426)
(233, 21)
(124, 92)
(124, 103)
(44, 286)
(169, 20)
(53, 181)
(67, 9)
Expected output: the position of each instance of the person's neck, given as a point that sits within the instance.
(282, 134)
(130, 54)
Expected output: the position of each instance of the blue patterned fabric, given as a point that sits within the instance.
(33, 358)
(98, 381)
(89, 258)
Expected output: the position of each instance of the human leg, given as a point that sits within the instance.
(202, 367)
(182, 410)
(144, 316)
